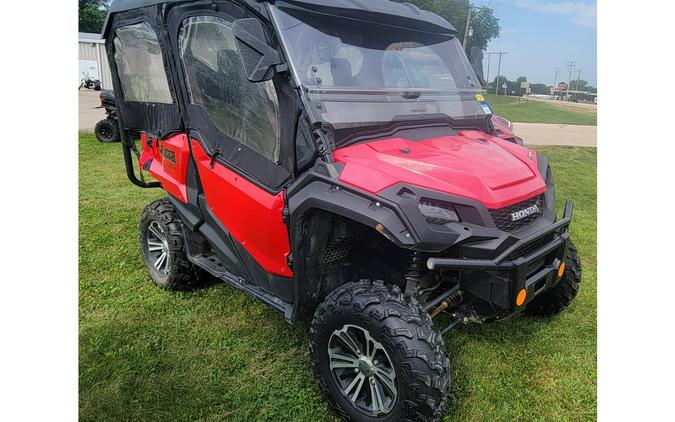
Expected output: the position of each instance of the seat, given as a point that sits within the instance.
(341, 69)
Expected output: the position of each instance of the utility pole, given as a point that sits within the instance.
(468, 23)
(466, 30)
(569, 80)
(487, 78)
(499, 69)
(578, 78)
(555, 78)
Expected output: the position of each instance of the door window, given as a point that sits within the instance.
(140, 65)
(244, 111)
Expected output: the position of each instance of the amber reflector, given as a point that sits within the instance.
(561, 270)
(520, 299)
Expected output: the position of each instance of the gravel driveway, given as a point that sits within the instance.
(89, 115)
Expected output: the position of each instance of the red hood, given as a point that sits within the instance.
(473, 165)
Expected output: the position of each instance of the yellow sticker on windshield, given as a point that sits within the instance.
(480, 98)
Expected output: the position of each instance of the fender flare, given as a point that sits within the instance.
(320, 189)
(546, 173)
(377, 213)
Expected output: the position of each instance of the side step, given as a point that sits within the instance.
(212, 264)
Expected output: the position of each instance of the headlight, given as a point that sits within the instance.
(437, 212)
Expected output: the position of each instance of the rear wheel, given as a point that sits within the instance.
(562, 294)
(377, 356)
(163, 249)
(107, 131)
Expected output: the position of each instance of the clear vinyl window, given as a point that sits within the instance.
(413, 65)
(140, 65)
(245, 111)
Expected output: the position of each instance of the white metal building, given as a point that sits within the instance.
(93, 59)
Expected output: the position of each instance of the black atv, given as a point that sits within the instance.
(108, 129)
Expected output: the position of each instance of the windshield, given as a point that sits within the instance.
(360, 76)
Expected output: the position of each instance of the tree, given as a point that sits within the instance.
(485, 25)
(579, 85)
(485, 28)
(542, 89)
(92, 15)
(513, 87)
(500, 83)
(502, 80)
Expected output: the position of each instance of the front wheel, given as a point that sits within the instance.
(377, 356)
(107, 130)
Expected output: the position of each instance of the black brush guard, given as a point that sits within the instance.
(517, 268)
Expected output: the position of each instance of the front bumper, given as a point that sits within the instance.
(497, 282)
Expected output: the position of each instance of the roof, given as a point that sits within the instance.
(396, 14)
(86, 36)
(122, 5)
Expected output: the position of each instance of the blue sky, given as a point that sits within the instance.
(542, 35)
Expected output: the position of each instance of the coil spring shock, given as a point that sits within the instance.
(415, 272)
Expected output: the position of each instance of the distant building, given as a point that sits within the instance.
(561, 92)
(562, 86)
(93, 59)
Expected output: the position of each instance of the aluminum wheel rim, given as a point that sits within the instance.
(362, 370)
(158, 248)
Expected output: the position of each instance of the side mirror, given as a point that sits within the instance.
(256, 55)
(476, 60)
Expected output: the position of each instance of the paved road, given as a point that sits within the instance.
(89, 116)
(532, 133)
(557, 134)
(568, 105)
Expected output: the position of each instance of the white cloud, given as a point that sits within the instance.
(581, 13)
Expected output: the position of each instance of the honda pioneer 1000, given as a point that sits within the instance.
(336, 160)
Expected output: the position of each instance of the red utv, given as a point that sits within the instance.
(336, 160)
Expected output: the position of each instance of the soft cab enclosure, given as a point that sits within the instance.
(215, 142)
(358, 118)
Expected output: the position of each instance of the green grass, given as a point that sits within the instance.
(534, 111)
(216, 353)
